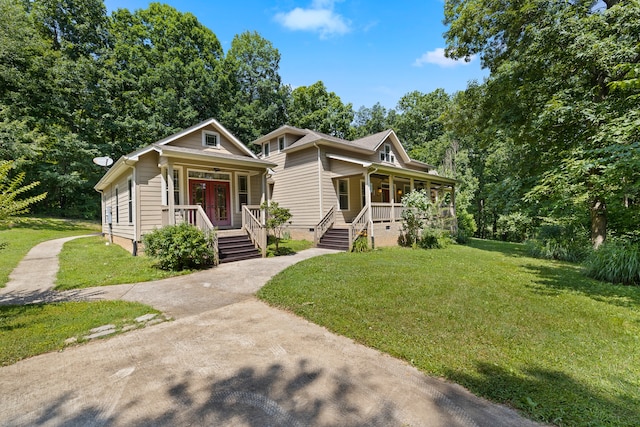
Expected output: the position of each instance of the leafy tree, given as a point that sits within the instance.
(418, 122)
(160, 76)
(368, 121)
(312, 107)
(552, 66)
(12, 200)
(257, 99)
(277, 217)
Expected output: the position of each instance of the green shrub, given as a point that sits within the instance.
(514, 227)
(361, 244)
(434, 238)
(466, 227)
(616, 261)
(180, 247)
(559, 242)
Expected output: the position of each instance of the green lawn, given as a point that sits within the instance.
(20, 236)
(89, 262)
(29, 330)
(534, 334)
(287, 247)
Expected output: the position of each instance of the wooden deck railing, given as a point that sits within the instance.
(194, 215)
(358, 225)
(325, 223)
(255, 227)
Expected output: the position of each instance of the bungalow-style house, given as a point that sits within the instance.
(203, 175)
(336, 190)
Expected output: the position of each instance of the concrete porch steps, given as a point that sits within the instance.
(335, 238)
(235, 248)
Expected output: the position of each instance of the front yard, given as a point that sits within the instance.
(534, 334)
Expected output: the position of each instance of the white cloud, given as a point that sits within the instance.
(437, 57)
(320, 18)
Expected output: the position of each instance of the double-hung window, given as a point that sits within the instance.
(386, 155)
(243, 191)
(343, 194)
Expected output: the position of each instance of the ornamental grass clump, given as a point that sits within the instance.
(180, 247)
(616, 261)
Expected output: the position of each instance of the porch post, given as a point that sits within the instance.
(392, 198)
(170, 201)
(367, 201)
(411, 184)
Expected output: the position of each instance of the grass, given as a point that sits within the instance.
(26, 232)
(287, 247)
(534, 334)
(89, 262)
(29, 330)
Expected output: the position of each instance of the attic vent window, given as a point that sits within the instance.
(385, 154)
(211, 139)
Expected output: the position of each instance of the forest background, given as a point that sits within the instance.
(548, 143)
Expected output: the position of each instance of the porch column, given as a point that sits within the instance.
(367, 201)
(392, 198)
(170, 201)
(411, 184)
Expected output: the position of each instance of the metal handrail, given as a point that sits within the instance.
(325, 224)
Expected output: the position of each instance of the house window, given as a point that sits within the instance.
(265, 149)
(130, 200)
(343, 194)
(243, 191)
(212, 176)
(176, 186)
(386, 155)
(117, 206)
(281, 143)
(211, 139)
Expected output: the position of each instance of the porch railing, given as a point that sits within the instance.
(381, 212)
(325, 224)
(194, 215)
(255, 227)
(359, 224)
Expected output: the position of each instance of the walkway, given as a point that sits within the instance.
(230, 360)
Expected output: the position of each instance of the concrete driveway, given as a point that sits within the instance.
(230, 360)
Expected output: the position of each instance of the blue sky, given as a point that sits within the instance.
(366, 51)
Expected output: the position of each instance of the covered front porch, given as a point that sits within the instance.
(370, 203)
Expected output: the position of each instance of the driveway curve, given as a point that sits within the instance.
(230, 360)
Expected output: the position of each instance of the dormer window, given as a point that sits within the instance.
(281, 144)
(210, 139)
(386, 155)
(266, 149)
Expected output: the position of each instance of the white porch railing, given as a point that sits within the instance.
(194, 215)
(359, 224)
(255, 227)
(324, 224)
(382, 212)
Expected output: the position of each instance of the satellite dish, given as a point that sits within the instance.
(103, 161)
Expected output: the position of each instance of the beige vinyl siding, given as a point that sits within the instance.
(119, 207)
(149, 199)
(194, 140)
(296, 187)
(255, 189)
(347, 215)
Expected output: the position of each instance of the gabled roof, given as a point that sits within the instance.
(162, 147)
(204, 124)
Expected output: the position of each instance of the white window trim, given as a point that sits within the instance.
(284, 143)
(209, 171)
(178, 185)
(347, 193)
(204, 139)
(117, 212)
(266, 149)
(130, 199)
(237, 191)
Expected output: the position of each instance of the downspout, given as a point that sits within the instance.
(320, 180)
(368, 200)
(134, 217)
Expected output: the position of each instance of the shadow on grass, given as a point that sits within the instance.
(273, 396)
(48, 296)
(53, 224)
(507, 248)
(567, 277)
(551, 396)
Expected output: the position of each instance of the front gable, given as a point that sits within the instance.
(208, 136)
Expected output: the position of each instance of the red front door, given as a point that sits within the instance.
(214, 197)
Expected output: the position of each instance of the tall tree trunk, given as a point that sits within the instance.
(598, 222)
